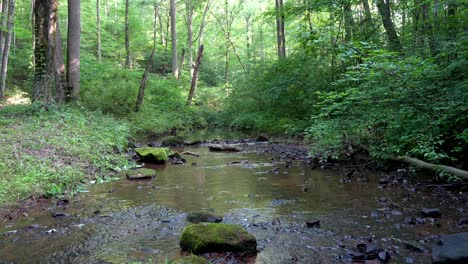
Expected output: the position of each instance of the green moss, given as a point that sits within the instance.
(191, 260)
(157, 155)
(209, 237)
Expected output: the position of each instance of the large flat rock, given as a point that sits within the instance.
(451, 249)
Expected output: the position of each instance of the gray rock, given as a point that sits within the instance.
(451, 249)
(431, 212)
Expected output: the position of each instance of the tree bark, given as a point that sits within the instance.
(161, 27)
(6, 50)
(193, 85)
(98, 18)
(189, 7)
(60, 75)
(73, 48)
(248, 40)
(181, 65)
(144, 79)
(45, 14)
(203, 23)
(393, 39)
(174, 38)
(127, 36)
(281, 39)
(349, 21)
(4, 20)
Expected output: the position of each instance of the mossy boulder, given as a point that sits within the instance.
(155, 155)
(210, 237)
(191, 260)
(202, 217)
(173, 141)
(139, 174)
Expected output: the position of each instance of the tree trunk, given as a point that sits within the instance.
(428, 30)
(45, 13)
(6, 50)
(189, 7)
(196, 70)
(60, 75)
(203, 23)
(393, 39)
(127, 36)
(98, 18)
(281, 39)
(144, 78)
(73, 48)
(161, 27)
(248, 40)
(181, 65)
(174, 38)
(4, 20)
(349, 21)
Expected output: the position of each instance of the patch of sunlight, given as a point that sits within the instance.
(17, 98)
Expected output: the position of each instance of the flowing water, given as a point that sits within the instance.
(140, 221)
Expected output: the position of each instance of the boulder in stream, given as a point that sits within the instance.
(209, 237)
(223, 147)
(191, 260)
(154, 155)
(139, 174)
(202, 217)
(451, 249)
(431, 212)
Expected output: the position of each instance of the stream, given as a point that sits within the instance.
(140, 221)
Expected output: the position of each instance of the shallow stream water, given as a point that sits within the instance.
(140, 221)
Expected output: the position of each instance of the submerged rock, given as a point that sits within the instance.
(431, 212)
(192, 142)
(201, 217)
(209, 237)
(156, 155)
(414, 246)
(173, 141)
(59, 215)
(451, 249)
(140, 174)
(191, 260)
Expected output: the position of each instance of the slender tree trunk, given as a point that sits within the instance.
(193, 85)
(203, 23)
(385, 13)
(428, 30)
(98, 18)
(60, 75)
(73, 50)
(144, 79)
(248, 40)
(181, 65)
(281, 39)
(33, 25)
(4, 20)
(174, 38)
(261, 44)
(127, 36)
(189, 7)
(45, 13)
(6, 50)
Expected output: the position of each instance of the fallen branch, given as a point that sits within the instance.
(425, 165)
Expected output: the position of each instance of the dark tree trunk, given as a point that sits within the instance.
(281, 39)
(144, 78)
(181, 65)
(174, 38)
(393, 39)
(349, 21)
(73, 48)
(196, 70)
(45, 14)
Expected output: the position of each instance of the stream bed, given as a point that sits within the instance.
(140, 221)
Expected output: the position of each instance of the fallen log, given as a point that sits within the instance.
(223, 147)
(425, 165)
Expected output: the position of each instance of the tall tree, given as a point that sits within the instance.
(6, 49)
(281, 39)
(349, 21)
(73, 48)
(174, 38)
(189, 10)
(45, 13)
(193, 84)
(98, 30)
(4, 20)
(60, 75)
(385, 13)
(127, 36)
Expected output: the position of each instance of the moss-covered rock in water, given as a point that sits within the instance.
(155, 155)
(191, 260)
(139, 174)
(209, 237)
(173, 141)
(202, 217)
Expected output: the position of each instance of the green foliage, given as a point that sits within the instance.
(50, 151)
